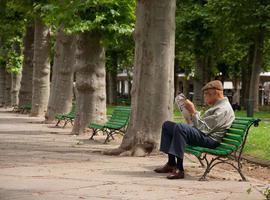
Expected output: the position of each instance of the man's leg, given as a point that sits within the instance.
(184, 134)
(166, 139)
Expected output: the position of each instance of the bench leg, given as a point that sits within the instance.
(109, 134)
(66, 121)
(201, 162)
(217, 160)
(93, 134)
(57, 124)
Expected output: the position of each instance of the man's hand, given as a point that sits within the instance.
(190, 106)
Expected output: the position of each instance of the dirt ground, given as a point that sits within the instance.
(253, 170)
(41, 162)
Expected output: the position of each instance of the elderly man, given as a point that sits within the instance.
(207, 131)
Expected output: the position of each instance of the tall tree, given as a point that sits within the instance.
(11, 30)
(41, 73)
(96, 23)
(2, 86)
(249, 21)
(16, 75)
(61, 94)
(25, 94)
(153, 84)
(90, 81)
(196, 43)
(7, 95)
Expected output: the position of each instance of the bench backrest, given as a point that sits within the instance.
(236, 136)
(120, 115)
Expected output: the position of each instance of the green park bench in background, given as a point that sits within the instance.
(229, 151)
(117, 123)
(68, 117)
(25, 108)
(123, 101)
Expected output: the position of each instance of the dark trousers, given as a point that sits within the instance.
(175, 137)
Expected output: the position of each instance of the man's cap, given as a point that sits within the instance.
(216, 84)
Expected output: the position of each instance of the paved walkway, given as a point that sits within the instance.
(39, 162)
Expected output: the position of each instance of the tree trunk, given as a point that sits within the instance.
(15, 88)
(25, 94)
(15, 79)
(153, 80)
(246, 77)
(41, 73)
(111, 80)
(7, 89)
(256, 70)
(198, 80)
(2, 85)
(186, 87)
(61, 94)
(90, 81)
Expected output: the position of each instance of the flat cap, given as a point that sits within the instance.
(216, 84)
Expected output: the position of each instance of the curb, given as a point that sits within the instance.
(264, 163)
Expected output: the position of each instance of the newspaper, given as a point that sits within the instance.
(180, 100)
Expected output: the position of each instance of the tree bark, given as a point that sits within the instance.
(2, 85)
(153, 80)
(246, 76)
(41, 73)
(111, 83)
(7, 89)
(199, 80)
(90, 81)
(186, 87)
(15, 79)
(256, 69)
(25, 94)
(111, 80)
(15, 88)
(61, 94)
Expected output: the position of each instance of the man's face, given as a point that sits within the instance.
(210, 96)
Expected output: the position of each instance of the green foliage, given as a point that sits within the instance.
(103, 16)
(12, 27)
(224, 30)
(14, 62)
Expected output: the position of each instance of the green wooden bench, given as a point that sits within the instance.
(117, 123)
(25, 108)
(123, 101)
(66, 117)
(229, 151)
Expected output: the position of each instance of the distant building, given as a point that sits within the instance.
(124, 86)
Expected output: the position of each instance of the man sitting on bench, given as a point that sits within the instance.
(207, 131)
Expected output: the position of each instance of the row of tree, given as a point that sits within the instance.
(88, 41)
(73, 37)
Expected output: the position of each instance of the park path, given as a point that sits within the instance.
(38, 162)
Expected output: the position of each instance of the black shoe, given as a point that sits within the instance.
(165, 169)
(176, 174)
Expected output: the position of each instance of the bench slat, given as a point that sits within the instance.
(242, 122)
(232, 142)
(192, 151)
(236, 132)
(212, 151)
(233, 137)
(227, 146)
(239, 126)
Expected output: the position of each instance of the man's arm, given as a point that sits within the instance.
(190, 107)
(208, 123)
